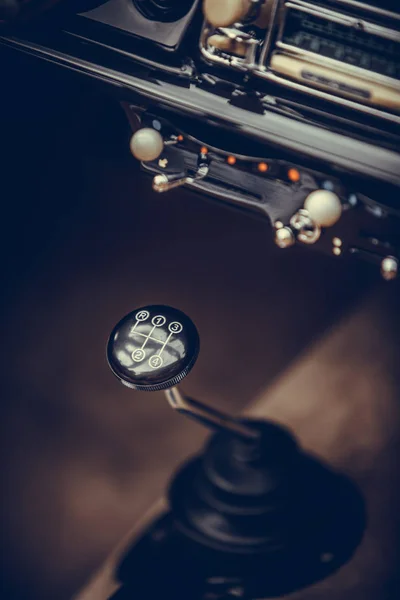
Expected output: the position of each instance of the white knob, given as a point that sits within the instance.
(147, 144)
(284, 237)
(222, 13)
(323, 207)
(389, 268)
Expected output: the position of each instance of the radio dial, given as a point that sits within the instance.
(224, 13)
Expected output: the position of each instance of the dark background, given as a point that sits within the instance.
(83, 242)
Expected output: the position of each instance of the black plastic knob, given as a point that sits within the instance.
(153, 348)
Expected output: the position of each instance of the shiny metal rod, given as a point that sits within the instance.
(209, 416)
(164, 183)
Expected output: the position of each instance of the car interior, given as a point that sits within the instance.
(200, 299)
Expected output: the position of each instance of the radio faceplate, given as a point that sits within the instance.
(344, 52)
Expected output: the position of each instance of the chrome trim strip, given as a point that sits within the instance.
(367, 7)
(337, 65)
(388, 116)
(343, 19)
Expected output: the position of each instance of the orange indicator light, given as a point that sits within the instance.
(204, 150)
(294, 175)
(231, 160)
(262, 167)
(180, 138)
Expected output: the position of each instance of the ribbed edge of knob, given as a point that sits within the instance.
(179, 342)
(158, 387)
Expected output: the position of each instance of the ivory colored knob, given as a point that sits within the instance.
(284, 237)
(389, 268)
(222, 13)
(147, 144)
(324, 207)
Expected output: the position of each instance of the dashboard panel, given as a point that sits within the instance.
(287, 109)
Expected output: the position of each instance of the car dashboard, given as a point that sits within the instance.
(289, 109)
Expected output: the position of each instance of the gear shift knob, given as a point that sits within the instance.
(253, 511)
(153, 348)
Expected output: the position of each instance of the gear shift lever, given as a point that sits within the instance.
(156, 347)
(253, 512)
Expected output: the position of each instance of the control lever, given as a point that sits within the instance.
(154, 348)
(253, 513)
(147, 144)
(252, 508)
(211, 418)
(165, 183)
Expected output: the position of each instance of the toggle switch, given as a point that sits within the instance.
(306, 229)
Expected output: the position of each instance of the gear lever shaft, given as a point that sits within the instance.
(154, 348)
(252, 507)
